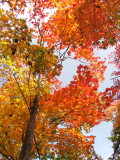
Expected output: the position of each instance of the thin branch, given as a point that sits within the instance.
(41, 36)
(36, 147)
(4, 155)
(38, 26)
(62, 56)
(5, 151)
(56, 119)
(18, 11)
(115, 78)
(17, 83)
(29, 87)
(20, 89)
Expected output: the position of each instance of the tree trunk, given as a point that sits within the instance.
(28, 139)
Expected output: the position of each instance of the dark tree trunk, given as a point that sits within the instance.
(29, 134)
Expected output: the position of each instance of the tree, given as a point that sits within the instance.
(114, 110)
(40, 118)
(114, 115)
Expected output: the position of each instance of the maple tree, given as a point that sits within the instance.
(114, 110)
(113, 114)
(39, 117)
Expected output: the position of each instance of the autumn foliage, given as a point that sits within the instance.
(39, 117)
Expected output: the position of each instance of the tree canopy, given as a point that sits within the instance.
(40, 119)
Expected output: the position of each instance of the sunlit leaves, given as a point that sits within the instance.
(86, 23)
(30, 62)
